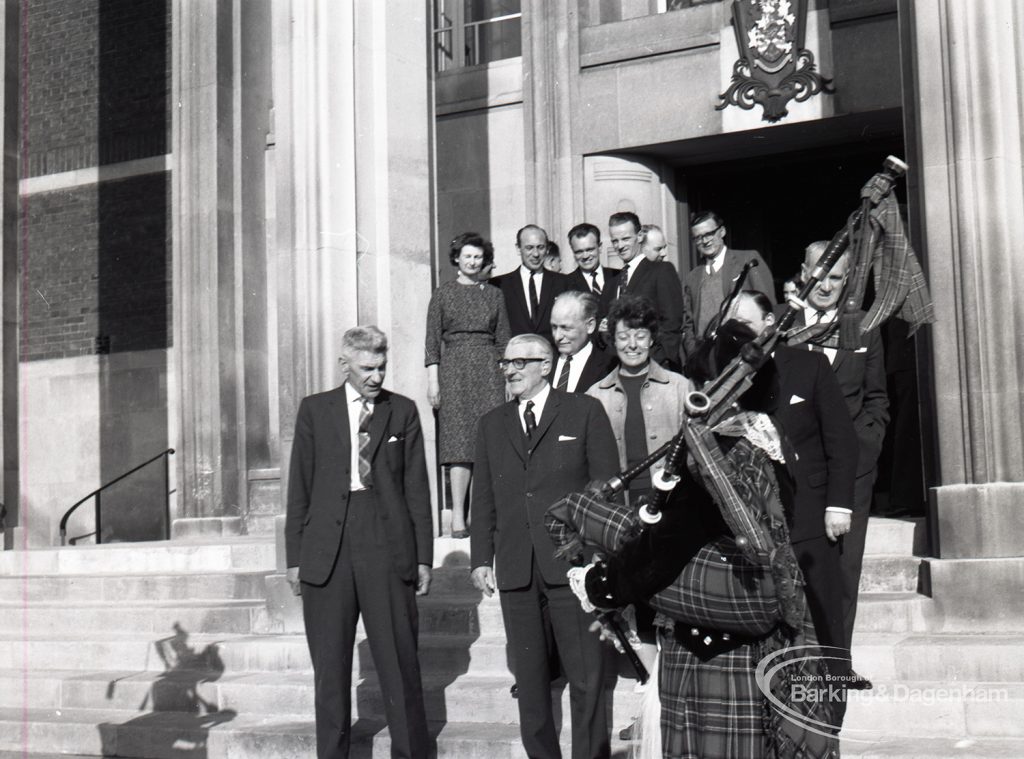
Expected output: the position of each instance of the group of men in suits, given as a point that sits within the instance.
(359, 530)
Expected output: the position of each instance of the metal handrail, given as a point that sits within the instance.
(165, 455)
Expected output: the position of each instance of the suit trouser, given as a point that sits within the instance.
(363, 581)
(851, 554)
(819, 561)
(583, 659)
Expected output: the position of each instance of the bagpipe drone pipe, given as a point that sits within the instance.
(710, 548)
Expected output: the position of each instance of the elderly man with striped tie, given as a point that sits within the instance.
(359, 540)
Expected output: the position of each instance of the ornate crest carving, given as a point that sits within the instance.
(774, 66)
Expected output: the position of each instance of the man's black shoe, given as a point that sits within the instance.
(858, 682)
(514, 691)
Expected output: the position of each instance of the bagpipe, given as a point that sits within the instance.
(743, 581)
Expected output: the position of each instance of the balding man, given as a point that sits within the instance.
(655, 244)
(530, 452)
(573, 325)
(861, 376)
(530, 289)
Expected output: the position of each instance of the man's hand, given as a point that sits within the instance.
(483, 580)
(292, 575)
(837, 524)
(423, 580)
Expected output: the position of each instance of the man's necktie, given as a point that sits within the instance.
(364, 443)
(534, 300)
(563, 376)
(594, 283)
(531, 420)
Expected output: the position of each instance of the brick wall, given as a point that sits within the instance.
(97, 272)
(98, 82)
(98, 266)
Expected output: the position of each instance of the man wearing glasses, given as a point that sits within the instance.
(530, 289)
(708, 285)
(530, 452)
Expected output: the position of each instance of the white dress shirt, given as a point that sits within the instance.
(355, 408)
(811, 318)
(575, 367)
(716, 263)
(597, 275)
(524, 276)
(538, 405)
(630, 270)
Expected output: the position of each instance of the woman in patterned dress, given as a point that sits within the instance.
(467, 328)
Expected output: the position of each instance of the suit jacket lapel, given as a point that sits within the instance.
(514, 428)
(514, 281)
(544, 423)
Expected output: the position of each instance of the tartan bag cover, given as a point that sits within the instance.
(719, 589)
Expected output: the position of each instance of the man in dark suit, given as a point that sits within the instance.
(655, 280)
(579, 362)
(590, 276)
(707, 285)
(861, 376)
(818, 429)
(359, 540)
(529, 290)
(530, 452)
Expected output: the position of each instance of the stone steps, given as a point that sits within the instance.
(212, 555)
(114, 588)
(174, 735)
(934, 748)
(464, 698)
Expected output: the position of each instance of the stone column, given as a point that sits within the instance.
(10, 31)
(554, 178)
(205, 268)
(352, 198)
(963, 83)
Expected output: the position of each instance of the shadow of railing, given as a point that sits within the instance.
(176, 718)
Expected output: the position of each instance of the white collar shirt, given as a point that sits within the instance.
(524, 276)
(715, 264)
(631, 267)
(579, 360)
(827, 317)
(355, 407)
(595, 276)
(539, 400)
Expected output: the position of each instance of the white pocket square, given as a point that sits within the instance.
(796, 399)
(393, 439)
(863, 349)
(565, 438)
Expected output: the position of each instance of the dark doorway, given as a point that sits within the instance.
(779, 203)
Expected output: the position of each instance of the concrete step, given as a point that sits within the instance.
(209, 555)
(934, 748)
(120, 588)
(891, 612)
(469, 698)
(154, 617)
(439, 654)
(929, 709)
(173, 735)
(906, 537)
(890, 574)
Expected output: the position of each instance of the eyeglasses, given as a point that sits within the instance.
(518, 363)
(707, 236)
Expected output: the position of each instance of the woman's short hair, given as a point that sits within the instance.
(470, 238)
(635, 311)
